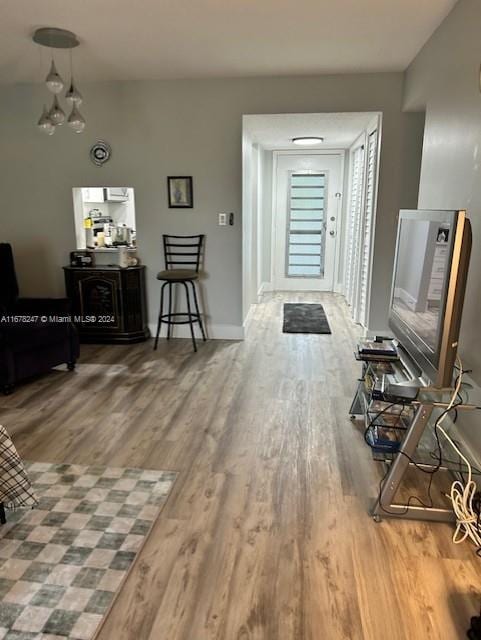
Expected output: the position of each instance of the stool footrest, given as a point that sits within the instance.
(167, 317)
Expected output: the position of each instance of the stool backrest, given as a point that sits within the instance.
(182, 252)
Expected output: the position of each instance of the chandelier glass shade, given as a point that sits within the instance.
(53, 81)
(75, 120)
(56, 113)
(73, 95)
(45, 124)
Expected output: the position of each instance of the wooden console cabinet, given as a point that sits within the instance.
(108, 303)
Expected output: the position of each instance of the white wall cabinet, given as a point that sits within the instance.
(93, 194)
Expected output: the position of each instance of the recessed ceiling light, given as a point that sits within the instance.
(307, 140)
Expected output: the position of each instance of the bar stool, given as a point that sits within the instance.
(182, 256)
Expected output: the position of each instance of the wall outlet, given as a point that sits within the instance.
(222, 219)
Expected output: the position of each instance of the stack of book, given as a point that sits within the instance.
(377, 350)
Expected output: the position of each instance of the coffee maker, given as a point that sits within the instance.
(98, 222)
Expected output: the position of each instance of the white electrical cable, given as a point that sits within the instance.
(462, 496)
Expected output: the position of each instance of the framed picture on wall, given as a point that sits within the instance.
(180, 190)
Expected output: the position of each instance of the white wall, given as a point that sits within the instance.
(265, 216)
(444, 80)
(249, 228)
(257, 219)
(184, 127)
(254, 194)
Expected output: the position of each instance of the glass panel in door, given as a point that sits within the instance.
(306, 225)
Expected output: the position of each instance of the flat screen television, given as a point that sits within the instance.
(429, 281)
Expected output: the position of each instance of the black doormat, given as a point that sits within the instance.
(305, 318)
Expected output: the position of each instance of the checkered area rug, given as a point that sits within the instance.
(62, 563)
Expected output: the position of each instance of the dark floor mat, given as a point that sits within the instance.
(305, 318)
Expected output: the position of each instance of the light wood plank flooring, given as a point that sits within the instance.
(266, 534)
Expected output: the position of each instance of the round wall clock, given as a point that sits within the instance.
(100, 152)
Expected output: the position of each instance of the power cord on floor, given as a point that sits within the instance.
(464, 497)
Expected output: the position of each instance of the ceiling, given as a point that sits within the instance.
(276, 131)
(123, 39)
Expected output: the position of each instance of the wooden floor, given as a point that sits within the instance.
(266, 534)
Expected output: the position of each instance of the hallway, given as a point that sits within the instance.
(266, 534)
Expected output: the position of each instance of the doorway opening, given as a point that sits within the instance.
(309, 212)
(306, 211)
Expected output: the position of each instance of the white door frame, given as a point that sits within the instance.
(274, 228)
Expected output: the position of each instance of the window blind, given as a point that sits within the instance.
(367, 230)
(354, 224)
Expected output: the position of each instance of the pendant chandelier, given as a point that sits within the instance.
(54, 116)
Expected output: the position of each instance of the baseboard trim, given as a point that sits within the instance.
(214, 331)
(248, 317)
(266, 287)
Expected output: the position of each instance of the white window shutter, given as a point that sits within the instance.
(365, 263)
(354, 225)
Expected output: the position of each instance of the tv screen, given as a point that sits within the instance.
(429, 245)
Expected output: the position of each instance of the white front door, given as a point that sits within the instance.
(306, 221)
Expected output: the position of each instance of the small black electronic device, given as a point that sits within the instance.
(81, 259)
(400, 392)
(378, 389)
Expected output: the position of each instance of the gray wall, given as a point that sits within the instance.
(189, 128)
(444, 80)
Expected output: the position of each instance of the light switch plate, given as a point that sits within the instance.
(222, 219)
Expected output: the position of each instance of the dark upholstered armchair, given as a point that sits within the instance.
(36, 334)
